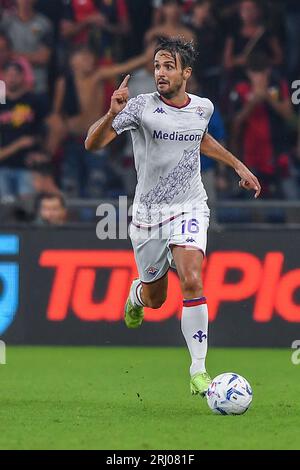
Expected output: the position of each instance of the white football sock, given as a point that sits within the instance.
(135, 293)
(194, 326)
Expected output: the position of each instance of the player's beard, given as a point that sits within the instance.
(171, 92)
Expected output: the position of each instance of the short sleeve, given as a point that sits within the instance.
(130, 118)
(209, 109)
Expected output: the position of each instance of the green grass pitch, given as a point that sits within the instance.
(138, 398)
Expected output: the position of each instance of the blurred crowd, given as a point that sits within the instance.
(60, 61)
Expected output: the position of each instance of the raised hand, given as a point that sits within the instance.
(120, 97)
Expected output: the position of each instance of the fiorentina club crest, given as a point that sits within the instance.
(200, 336)
(200, 112)
(152, 270)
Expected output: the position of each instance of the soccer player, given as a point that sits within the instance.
(170, 213)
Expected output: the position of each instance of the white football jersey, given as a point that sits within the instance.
(166, 143)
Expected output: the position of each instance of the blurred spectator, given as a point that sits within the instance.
(108, 42)
(51, 209)
(140, 15)
(292, 24)
(20, 122)
(227, 15)
(53, 10)
(264, 110)
(34, 38)
(7, 5)
(31, 37)
(7, 55)
(251, 37)
(43, 180)
(95, 22)
(79, 101)
(187, 6)
(171, 23)
(79, 94)
(209, 43)
(141, 81)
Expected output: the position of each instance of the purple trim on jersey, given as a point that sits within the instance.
(174, 105)
(194, 302)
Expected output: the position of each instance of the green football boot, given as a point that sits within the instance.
(200, 383)
(134, 315)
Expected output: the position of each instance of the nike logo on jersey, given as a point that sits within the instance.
(160, 111)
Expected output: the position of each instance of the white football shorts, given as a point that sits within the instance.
(152, 245)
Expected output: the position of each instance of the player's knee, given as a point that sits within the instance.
(191, 285)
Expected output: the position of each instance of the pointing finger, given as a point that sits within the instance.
(124, 83)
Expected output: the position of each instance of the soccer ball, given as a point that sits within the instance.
(229, 394)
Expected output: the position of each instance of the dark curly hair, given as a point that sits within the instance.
(177, 45)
